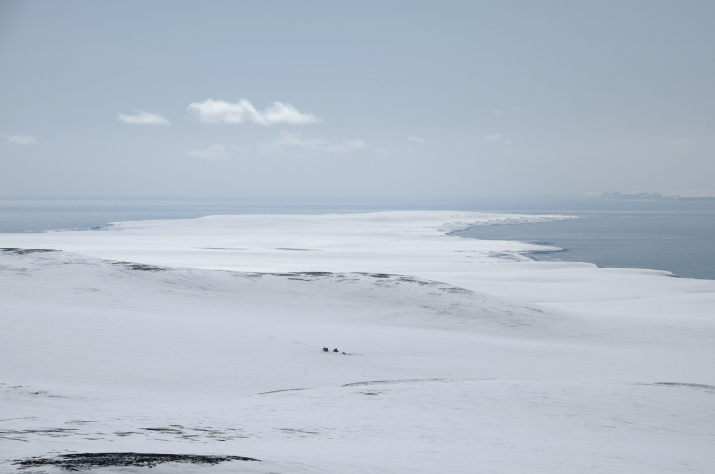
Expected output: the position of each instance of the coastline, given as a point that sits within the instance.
(649, 234)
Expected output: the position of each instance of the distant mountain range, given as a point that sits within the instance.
(655, 196)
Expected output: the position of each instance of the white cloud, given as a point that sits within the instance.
(346, 146)
(493, 138)
(214, 152)
(287, 140)
(219, 111)
(380, 151)
(143, 118)
(20, 139)
(416, 139)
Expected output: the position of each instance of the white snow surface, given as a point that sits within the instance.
(205, 336)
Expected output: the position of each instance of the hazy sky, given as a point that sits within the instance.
(124, 99)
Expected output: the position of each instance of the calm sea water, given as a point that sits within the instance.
(678, 236)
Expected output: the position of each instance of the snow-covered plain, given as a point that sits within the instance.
(205, 336)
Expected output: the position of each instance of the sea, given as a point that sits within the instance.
(674, 235)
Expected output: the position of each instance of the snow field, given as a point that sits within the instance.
(469, 362)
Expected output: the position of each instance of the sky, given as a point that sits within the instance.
(369, 99)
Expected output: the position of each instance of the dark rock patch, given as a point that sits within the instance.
(376, 275)
(681, 384)
(48, 431)
(247, 275)
(140, 267)
(17, 251)
(284, 390)
(308, 276)
(165, 430)
(298, 430)
(454, 289)
(316, 274)
(84, 461)
(405, 279)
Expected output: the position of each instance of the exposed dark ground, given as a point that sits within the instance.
(84, 461)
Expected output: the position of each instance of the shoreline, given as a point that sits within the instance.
(693, 260)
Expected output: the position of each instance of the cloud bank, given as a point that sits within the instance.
(214, 152)
(288, 140)
(219, 111)
(20, 139)
(143, 118)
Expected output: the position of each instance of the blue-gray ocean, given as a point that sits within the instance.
(673, 235)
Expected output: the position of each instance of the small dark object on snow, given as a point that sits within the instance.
(344, 353)
(325, 349)
(84, 461)
(336, 350)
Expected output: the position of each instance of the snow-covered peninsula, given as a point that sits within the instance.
(206, 336)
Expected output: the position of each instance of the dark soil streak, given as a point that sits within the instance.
(84, 461)
(140, 267)
(284, 390)
(682, 384)
(17, 251)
